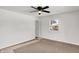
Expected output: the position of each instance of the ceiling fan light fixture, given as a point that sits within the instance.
(41, 9)
(39, 12)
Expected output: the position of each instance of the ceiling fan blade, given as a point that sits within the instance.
(33, 7)
(45, 7)
(46, 11)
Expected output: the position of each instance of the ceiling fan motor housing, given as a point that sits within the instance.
(39, 8)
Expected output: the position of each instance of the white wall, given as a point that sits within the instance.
(68, 31)
(15, 28)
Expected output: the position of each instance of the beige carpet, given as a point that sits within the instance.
(48, 46)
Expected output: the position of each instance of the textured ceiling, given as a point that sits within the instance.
(52, 9)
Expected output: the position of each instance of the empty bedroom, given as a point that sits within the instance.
(39, 29)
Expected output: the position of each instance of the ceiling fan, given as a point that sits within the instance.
(40, 9)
